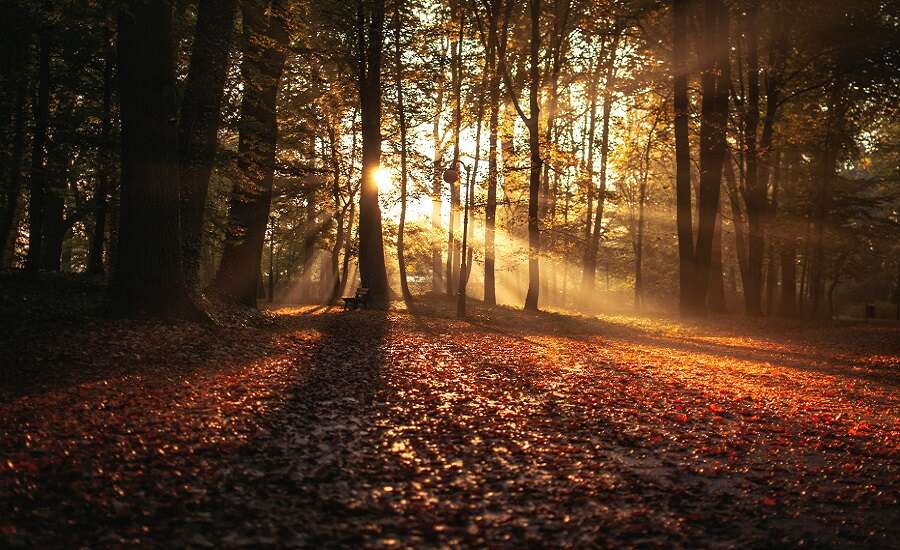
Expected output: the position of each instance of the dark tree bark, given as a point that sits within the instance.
(265, 40)
(456, 76)
(148, 278)
(496, 43)
(370, 35)
(53, 229)
(588, 273)
(199, 122)
(38, 170)
(715, 82)
(404, 170)
(684, 219)
(755, 192)
(534, 145)
(100, 201)
(12, 184)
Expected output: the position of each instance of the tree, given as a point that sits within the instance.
(265, 42)
(199, 122)
(404, 170)
(148, 279)
(370, 41)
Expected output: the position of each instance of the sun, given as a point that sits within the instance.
(382, 178)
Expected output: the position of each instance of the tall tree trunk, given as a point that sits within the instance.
(715, 299)
(439, 144)
(339, 214)
(57, 170)
(715, 82)
(265, 40)
(456, 47)
(100, 201)
(534, 146)
(755, 193)
(589, 264)
(370, 33)
(199, 122)
(148, 278)
(490, 213)
(787, 306)
(467, 252)
(38, 170)
(404, 171)
(13, 183)
(684, 220)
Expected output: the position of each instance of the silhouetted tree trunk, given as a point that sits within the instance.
(534, 145)
(100, 201)
(588, 273)
(755, 194)
(439, 143)
(788, 303)
(456, 80)
(265, 41)
(148, 278)
(404, 171)
(38, 170)
(199, 122)
(684, 219)
(370, 33)
(12, 184)
(715, 81)
(496, 43)
(57, 170)
(715, 299)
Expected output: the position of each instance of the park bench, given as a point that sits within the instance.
(357, 301)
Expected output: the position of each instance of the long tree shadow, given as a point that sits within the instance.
(297, 471)
(792, 350)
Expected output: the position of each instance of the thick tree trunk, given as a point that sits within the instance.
(684, 220)
(755, 192)
(370, 30)
(265, 40)
(199, 122)
(148, 278)
(13, 182)
(38, 177)
(715, 82)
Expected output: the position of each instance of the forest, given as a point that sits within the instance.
(453, 273)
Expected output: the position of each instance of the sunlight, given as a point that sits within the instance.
(382, 178)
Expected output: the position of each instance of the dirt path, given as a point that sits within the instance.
(397, 428)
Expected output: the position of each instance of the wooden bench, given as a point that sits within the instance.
(358, 301)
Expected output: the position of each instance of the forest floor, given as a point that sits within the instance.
(411, 428)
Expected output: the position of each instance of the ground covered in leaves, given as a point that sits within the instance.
(410, 428)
